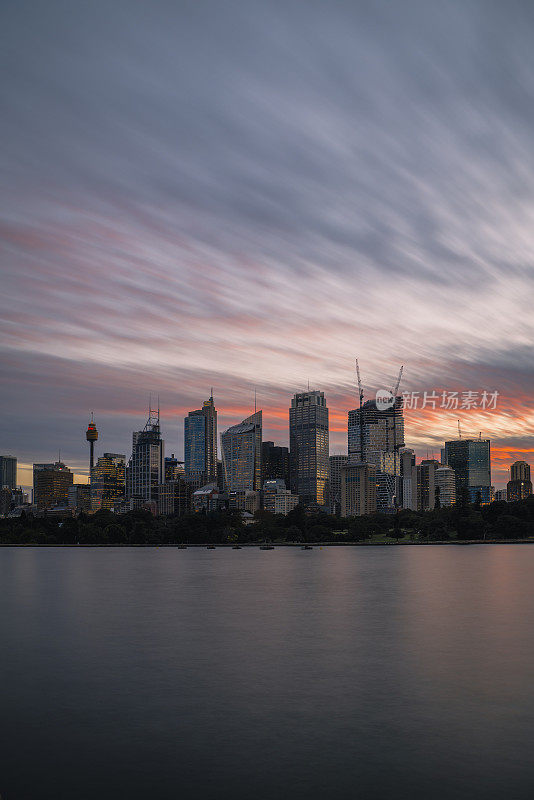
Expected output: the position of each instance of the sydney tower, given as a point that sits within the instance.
(91, 436)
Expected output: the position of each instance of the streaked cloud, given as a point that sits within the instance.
(251, 194)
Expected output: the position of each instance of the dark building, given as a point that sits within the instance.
(275, 462)
(174, 497)
(309, 447)
(471, 461)
(80, 498)
(51, 483)
(375, 436)
(8, 472)
(173, 468)
(200, 443)
(520, 485)
(358, 489)
(337, 462)
(145, 468)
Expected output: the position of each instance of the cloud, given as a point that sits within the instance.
(252, 194)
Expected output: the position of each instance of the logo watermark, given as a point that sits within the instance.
(462, 401)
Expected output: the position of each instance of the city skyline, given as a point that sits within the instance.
(252, 197)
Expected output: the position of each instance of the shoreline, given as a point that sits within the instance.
(274, 545)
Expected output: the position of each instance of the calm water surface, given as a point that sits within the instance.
(334, 673)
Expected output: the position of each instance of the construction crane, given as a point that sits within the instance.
(396, 389)
(360, 394)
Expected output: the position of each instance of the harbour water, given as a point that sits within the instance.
(401, 672)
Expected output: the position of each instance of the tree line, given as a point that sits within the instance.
(497, 521)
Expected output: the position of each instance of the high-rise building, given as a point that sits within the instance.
(277, 499)
(8, 472)
(309, 447)
(500, 495)
(375, 436)
(80, 498)
(408, 479)
(471, 461)
(241, 455)
(358, 489)
(334, 482)
(520, 485)
(51, 484)
(200, 442)
(445, 486)
(174, 497)
(145, 468)
(108, 481)
(173, 468)
(275, 462)
(426, 484)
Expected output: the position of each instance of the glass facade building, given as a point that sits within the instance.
(200, 443)
(471, 461)
(8, 472)
(375, 437)
(309, 447)
(275, 462)
(145, 468)
(241, 455)
(51, 483)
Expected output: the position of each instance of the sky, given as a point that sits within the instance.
(249, 195)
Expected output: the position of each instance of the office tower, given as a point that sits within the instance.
(6, 501)
(334, 482)
(79, 498)
(108, 481)
(520, 485)
(91, 435)
(308, 444)
(241, 455)
(445, 480)
(375, 436)
(200, 443)
(426, 484)
(358, 489)
(8, 472)
(145, 468)
(277, 499)
(173, 469)
(275, 462)
(471, 461)
(51, 484)
(174, 497)
(500, 495)
(408, 479)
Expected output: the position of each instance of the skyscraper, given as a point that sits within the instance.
(108, 481)
(426, 484)
(241, 455)
(375, 436)
(275, 462)
(408, 479)
(309, 447)
(445, 486)
(471, 461)
(334, 482)
(358, 489)
(51, 484)
(145, 468)
(8, 472)
(200, 443)
(520, 485)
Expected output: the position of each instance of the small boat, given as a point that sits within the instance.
(236, 547)
(266, 547)
(210, 547)
(306, 547)
(182, 547)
